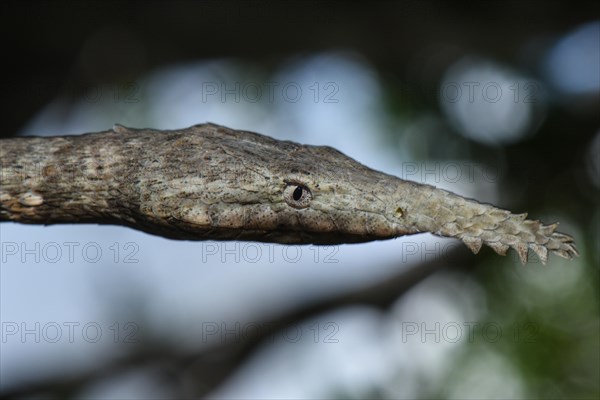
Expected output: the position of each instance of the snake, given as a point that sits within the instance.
(210, 182)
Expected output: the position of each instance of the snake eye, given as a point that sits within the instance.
(296, 195)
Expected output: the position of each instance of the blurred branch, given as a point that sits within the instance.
(203, 371)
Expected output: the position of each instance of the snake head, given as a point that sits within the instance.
(234, 185)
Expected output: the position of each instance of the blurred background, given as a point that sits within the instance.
(496, 101)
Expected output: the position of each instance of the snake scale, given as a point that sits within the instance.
(209, 182)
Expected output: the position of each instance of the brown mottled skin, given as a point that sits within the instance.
(209, 182)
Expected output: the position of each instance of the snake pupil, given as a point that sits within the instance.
(297, 193)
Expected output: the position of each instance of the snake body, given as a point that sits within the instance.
(209, 182)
